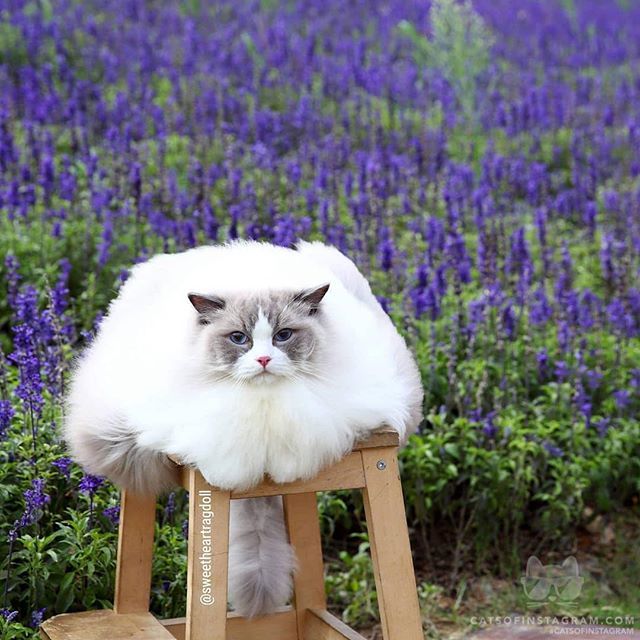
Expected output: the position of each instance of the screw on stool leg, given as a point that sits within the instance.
(381, 464)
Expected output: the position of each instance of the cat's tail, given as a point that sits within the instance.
(108, 447)
(261, 560)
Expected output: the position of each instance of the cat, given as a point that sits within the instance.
(553, 581)
(243, 360)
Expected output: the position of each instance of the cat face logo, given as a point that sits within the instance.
(552, 583)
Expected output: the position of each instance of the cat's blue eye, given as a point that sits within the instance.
(283, 335)
(237, 337)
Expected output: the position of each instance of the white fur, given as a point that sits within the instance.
(144, 370)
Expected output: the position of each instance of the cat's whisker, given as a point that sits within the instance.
(313, 372)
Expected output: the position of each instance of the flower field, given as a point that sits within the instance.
(480, 163)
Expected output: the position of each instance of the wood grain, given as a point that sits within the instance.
(321, 625)
(277, 626)
(303, 527)
(208, 561)
(135, 553)
(383, 437)
(103, 625)
(390, 550)
(345, 474)
(372, 466)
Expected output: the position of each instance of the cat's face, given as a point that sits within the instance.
(262, 338)
(553, 582)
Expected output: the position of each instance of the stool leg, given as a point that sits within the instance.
(207, 560)
(301, 516)
(390, 550)
(135, 553)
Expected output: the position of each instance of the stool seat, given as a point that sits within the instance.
(372, 467)
(104, 625)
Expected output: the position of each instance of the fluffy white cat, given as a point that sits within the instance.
(243, 360)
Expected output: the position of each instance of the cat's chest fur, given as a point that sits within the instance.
(235, 435)
(271, 413)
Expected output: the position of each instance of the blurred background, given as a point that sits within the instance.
(478, 160)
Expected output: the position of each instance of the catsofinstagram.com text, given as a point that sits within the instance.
(595, 625)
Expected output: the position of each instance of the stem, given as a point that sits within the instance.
(6, 580)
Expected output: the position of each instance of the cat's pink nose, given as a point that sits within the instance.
(264, 360)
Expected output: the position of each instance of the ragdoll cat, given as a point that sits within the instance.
(243, 360)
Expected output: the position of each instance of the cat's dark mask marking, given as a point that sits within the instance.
(206, 305)
(312, 297)
(241, 312)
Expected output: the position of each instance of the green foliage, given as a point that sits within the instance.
(459, 47)
(350, 584)
(13, 50)
(486, 493)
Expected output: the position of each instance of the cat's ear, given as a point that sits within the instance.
(535, 568)
(205, 305)
(312, 297)
(570, 566)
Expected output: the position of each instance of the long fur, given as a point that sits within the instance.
(261, 560)
(140, 391)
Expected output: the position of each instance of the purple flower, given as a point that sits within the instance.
(27, 335)
(476, 311)
(602, 426)
(106, 239)
(90, 484)
(509, 322)
(542, 358)
(458, 258)
(285, 231)
(170, 507)
(426, 301)
(35, 501)
(112, 514)
(13, 279)
(562, 370)
(564, 336)
(620, 319)
(386, 250)
(585, 408)
(6, 415)
(63, 465)
(385, 303)
(541, 311)
(540, 219)
(564, 278)
(622, 398)
(37, 617)
(552, 449)
(594, 378)
(35, 497)
(518, 258)
(8, 615)
(589, 217)
(60, 293)
(488, 427)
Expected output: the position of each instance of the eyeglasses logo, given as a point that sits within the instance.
(553, 582)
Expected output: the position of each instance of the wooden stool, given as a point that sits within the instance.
(372, 466)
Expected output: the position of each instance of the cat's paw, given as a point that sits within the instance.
(231, 478)
(290, 469)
